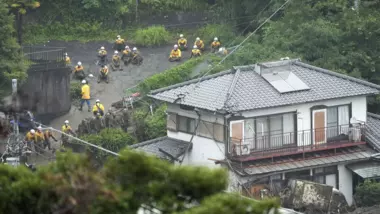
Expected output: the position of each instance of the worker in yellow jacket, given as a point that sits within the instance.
(85, 95)
(98, 109)
(215, 45)
(67, 60)
(195, 52)
(175, 54)
(66, 128)
(182, 43)
(30, 138)
(199, 43)
(119, 44)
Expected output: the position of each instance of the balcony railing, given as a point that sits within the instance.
(293, 142)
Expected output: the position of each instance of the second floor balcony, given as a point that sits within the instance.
(267, 145)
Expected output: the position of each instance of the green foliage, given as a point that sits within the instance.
(11, 59)
(72, 185)
(224, 32)
(111, 139)
(151, 36)
(156, 123)
(368, 193)
(172, 76)
(75, 90)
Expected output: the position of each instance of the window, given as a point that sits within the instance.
(171, 123)
(186, 124)
(205, 129)
(337, 120)
(218, 132)
(275, 131)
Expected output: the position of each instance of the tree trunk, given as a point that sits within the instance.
(19, 28)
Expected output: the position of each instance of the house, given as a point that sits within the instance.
(273, 121)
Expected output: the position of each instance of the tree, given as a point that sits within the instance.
(111, 139)
(11, 65)
(19, 9)
(71, 185)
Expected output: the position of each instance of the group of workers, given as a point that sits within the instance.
(39, 138)
(198, 48)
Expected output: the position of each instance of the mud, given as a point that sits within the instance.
(366, 210)
(155, 61)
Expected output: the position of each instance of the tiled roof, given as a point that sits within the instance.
(163, 147)
(373, 130)
(345, 155)
(243, 89)
(368, 169)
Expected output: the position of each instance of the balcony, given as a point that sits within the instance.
(267, 145)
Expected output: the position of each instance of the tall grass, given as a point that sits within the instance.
(151, 36)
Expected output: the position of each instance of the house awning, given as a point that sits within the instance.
(366, 169)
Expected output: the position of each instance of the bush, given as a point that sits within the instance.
(172, 76)
(75, 90)
(156, 123)
(368, 193)
(111, 139)
(225, 34)
(151, 36)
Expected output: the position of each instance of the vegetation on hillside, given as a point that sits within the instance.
(123, 185)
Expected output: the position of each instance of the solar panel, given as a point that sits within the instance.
(285, 81)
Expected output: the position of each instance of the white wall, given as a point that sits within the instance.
(205, 115)
(203, 149)
(345, 183)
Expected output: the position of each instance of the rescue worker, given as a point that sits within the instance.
(215, 45)
(30, 137)
(119, 44)
(67, 60)
(182, 43)
(102, 55)
(39, 140)
(85, 95)
(79, 71)
(116, 62)
(67, 130)
(47, 135)
(199, 43)
(103, 74)
(136, 57)
(98, 109)
(195, 52)
(175, 54)
(127, 55)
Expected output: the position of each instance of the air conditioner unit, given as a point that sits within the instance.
(243, 149)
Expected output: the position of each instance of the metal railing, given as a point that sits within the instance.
(44, 55)
(295, 141)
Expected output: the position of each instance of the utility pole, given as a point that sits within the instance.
(14, 94)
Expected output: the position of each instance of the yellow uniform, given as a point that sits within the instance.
(39, 136)
(86, 92)
(102, 52)
(67, 60)
(104, 71)
(66, 129)
(30, 137)
(78, 68)
(119, 41)
(215, 44)
(199, 44)
(116, 58)
(195, 52)
(98, 108)
(182, 42)
(175, 53)
(126, 52)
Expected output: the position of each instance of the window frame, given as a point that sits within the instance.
(188, 124)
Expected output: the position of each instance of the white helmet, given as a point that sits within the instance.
(127, 47)
(195, 46)
(83, 81)
(134, 48)
(197, 39)
(32, 131)
(98, 101)
(116, 52)
(181, 35)
(39, 128)
(175, 46)
(65, 54)
(105, 66)
(102, 48)
(79, 63)
(220, 49)
(118, 36)
(66, 122)
(216, 39)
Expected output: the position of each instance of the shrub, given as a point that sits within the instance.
(156, 123)
(111, 139)
(368, 193)
(151, 36)
(225, 34)
(171, 76)
(75, 90)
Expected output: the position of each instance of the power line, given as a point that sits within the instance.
(238, 46)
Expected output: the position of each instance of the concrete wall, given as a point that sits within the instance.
(345, 183)
(48, 90)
